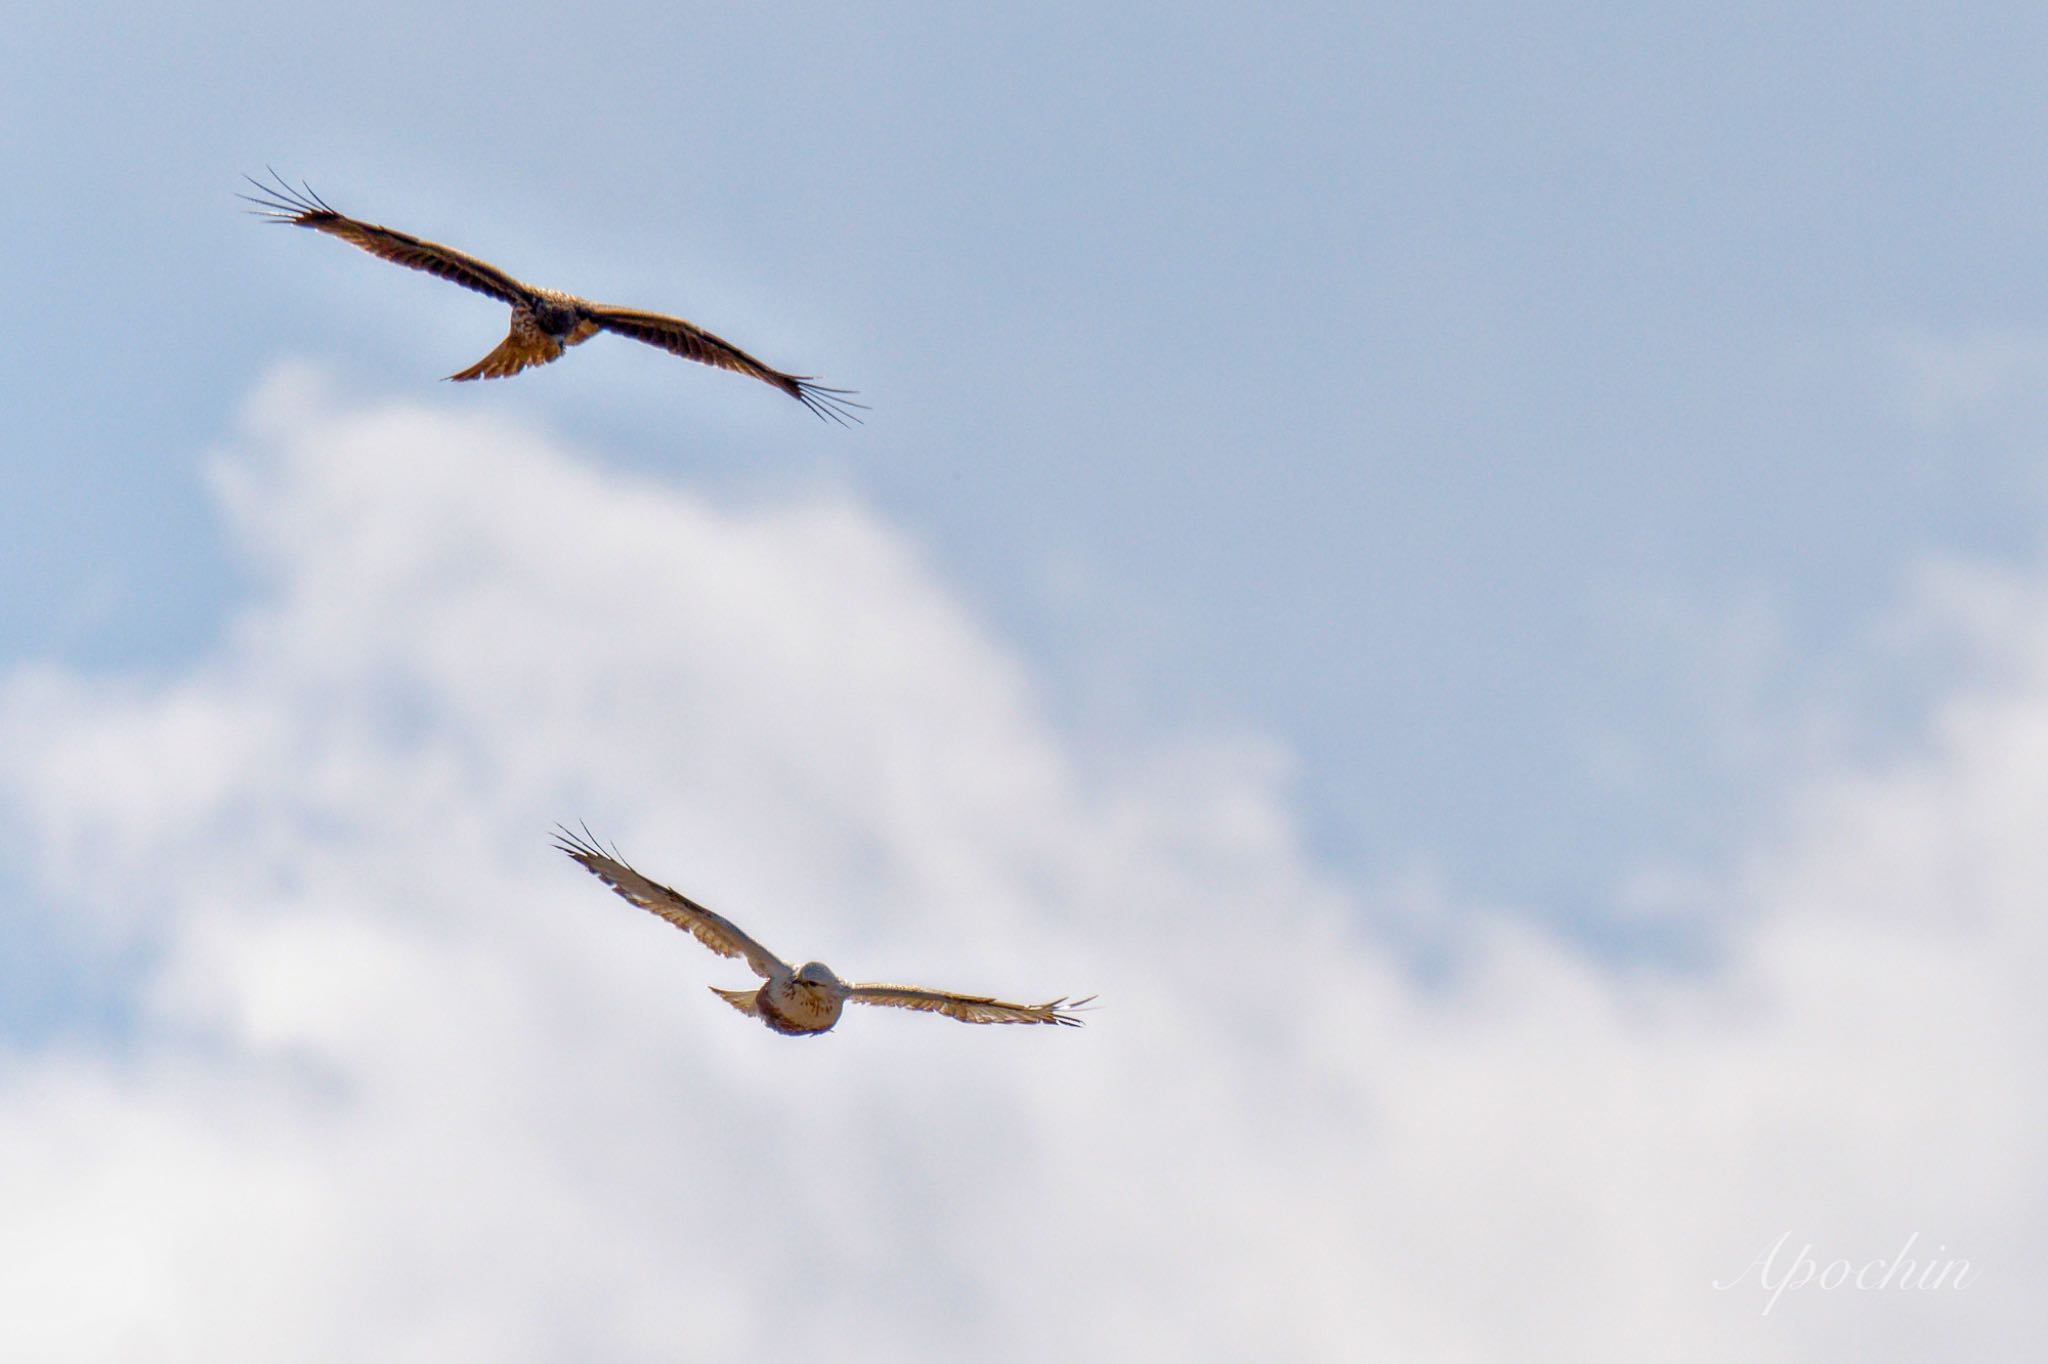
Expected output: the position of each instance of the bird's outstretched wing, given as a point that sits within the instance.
(715, 931)
(300, 207)
(692, 342)
(970, 1008)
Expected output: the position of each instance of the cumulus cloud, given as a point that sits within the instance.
(405, 1084)
(1950, 377)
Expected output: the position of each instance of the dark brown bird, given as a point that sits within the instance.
(544, 321)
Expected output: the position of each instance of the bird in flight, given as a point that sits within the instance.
(544, 321)
(801, 1001)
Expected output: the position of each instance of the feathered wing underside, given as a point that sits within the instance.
(692, 342)
(970, 1008)
(714, 930)
(300, 207)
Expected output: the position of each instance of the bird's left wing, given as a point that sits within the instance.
(692, 342)
(303, 208)
(970, 1008)
(714, 930)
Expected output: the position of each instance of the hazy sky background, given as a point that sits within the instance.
(1530, 517)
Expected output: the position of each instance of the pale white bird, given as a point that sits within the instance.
(801, 1001)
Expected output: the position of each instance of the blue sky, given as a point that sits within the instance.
(1538, 436)
(1352, 375)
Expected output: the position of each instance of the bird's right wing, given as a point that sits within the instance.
(692, 342)
(303, 208)
(969, 1008)
(715, 931)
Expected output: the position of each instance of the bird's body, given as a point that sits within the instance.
(801, 1005)
(796, 1001)
(544, 321)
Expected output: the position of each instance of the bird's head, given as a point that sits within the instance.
(819, 975)
(557, 317)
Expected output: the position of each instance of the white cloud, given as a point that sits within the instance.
(1957, 376)
(408, 1085)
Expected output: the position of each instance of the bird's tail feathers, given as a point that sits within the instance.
(514, 353)
(743, 1000)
